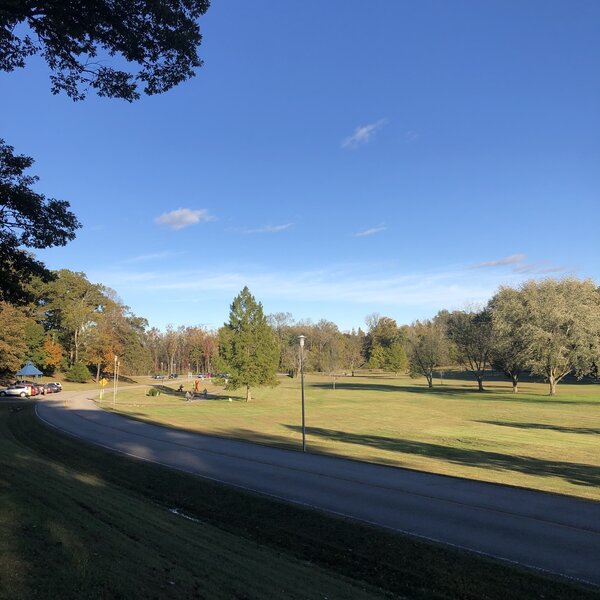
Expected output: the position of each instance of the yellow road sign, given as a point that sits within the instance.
(103, 382)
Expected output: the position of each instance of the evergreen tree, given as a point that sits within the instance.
(248, 346)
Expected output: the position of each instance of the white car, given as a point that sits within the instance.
(16, 390)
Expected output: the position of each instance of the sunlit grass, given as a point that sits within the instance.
(77, 521)
(527, 439)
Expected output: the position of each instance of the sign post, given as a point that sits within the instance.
(103, 383)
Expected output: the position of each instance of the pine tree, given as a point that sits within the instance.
(248, 345)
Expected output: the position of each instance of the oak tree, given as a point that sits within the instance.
(427, 348)
(110, 46)
(472, 334)
(27, 220)
(563, 327)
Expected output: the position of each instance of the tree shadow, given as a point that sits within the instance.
(168, 391)
(578, 474)
(560, 428)
(384, 387)
(125, 379)
(491, 393)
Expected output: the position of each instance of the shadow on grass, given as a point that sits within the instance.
(579, 474)
(389, 387)
(168, 391)
(125, 379)
(456, 393)
(560, 428)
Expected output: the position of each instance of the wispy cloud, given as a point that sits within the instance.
(362, 135)
(411, 136)
(337, 290)
(522, 268)
(540, 268)
(154, 256)
(370, 231)
(507, 260)
(269, 228)
(371, 285)
(184, 217)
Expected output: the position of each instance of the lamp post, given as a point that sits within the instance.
(301, 339)
(117, 377)
(115, 381)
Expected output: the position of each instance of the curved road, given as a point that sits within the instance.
(535, 529)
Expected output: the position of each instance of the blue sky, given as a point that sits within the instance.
(338, 158)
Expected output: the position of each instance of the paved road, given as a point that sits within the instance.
(544, 531)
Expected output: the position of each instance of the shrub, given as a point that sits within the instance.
(153, 392)
(78, 373)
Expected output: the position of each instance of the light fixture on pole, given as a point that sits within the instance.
(301, 339)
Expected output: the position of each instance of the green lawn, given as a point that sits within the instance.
(527, 439)
(79, 522)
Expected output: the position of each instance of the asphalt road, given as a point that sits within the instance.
(534, 529)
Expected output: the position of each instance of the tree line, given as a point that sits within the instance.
(548, 329)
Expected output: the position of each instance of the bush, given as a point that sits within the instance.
(78, 373)
(153, 392)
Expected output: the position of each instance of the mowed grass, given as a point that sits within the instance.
(70, 532)
(527, 439)
(77, 521)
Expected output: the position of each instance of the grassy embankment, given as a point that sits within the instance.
(79, 522)
(527, 439)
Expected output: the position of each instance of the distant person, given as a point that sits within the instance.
(180, 388)
(188, 396)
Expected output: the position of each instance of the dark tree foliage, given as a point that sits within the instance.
(96, 43)
(27, 219)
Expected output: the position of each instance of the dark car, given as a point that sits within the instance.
(51, 388)
(173, 376)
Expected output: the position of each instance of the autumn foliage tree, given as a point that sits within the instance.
(13, 345)
(54, 354)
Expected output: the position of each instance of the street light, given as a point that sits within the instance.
(115, 381)
(301, 339)
(117, 377)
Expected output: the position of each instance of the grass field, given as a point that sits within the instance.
(527, 439)
(78, 522)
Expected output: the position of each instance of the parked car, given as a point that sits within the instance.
(36, 388)
(158, 376)
(51, 388)
(58, 384)
(17, 390)
(173, 376)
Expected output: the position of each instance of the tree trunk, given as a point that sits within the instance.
(97, 372)
(429, 377)
(552, 381)
(248, 394)
(515, 384)
(480, 383)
